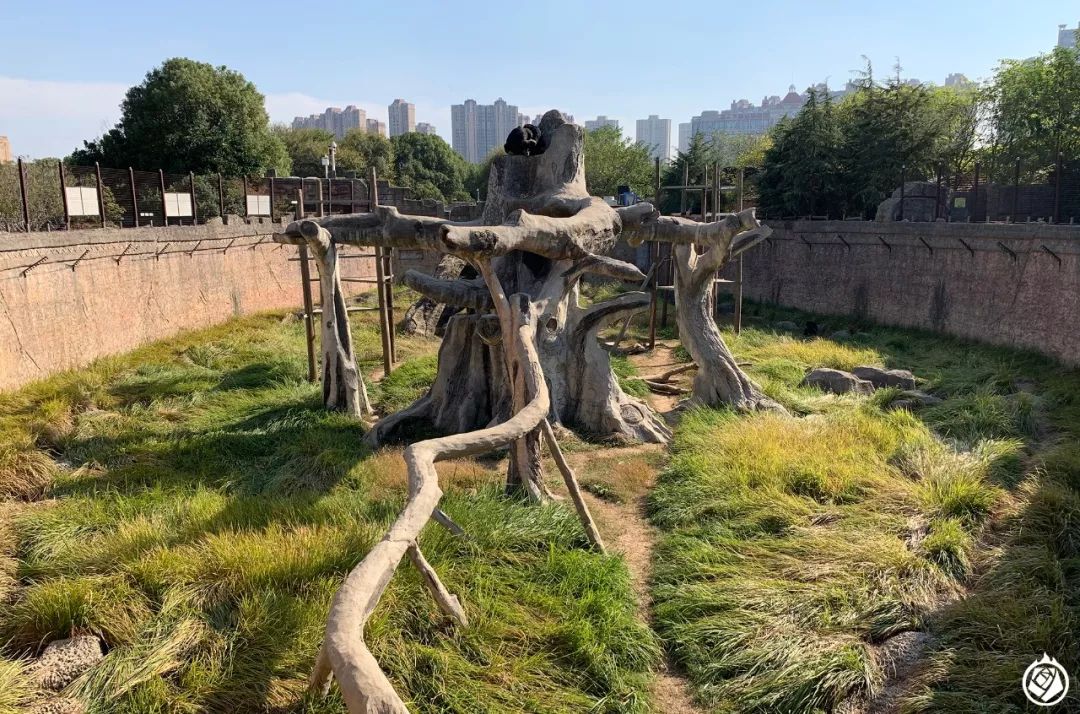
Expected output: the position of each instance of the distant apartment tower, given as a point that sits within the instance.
(655, 133)
(684, 136)
(600, 121)
(477, 129)
(338, 122)
(1067, 35)
(5, 150)
(425, 128)
(402, 117)
(374, 126)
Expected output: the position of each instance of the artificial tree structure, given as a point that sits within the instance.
(522, 358)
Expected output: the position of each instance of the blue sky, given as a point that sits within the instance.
(64, 66)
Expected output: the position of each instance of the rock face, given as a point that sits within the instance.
(64, 660)
(880, 378)
(920, 200)
(837, 381)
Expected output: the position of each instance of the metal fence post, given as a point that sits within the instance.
(63, 195)
(903, 193)
(164, 207)
(1016, 190)
(100, 193)
(22, 193)
(937, 195)
(194, 206)
(134, 198)
(973, 214)
(1057, 188)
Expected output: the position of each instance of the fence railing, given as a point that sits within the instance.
(52, 195)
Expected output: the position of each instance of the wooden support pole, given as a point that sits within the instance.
(100, 194)
(319, 198)
(388, 272)
(570, 479)
(738, 295)
(309, 306)
(63, 195)
(164, 208)
(654, 256)
(221, 197)
(384, 320)
(134, 199)
(22, 194)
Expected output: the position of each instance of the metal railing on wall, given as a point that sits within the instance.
(52, 195)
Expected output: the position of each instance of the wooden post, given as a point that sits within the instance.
(1057, 188)
(669, 280)
(903, 180)
(654, 254)
(380, 278)
(309, 306)
(164, 209)
(271, 198)
(100, 193)
(1016, 190)
(319, 197)
(245, 197)
(685, 182)
(194, 207)
(716, 191)
(352, 195)
(22, 193)
(742, 180)
(330, 196)
(388, 271)
(738, 296)
(221, 198)
(134, 199)
(63, 195)
(974, 196)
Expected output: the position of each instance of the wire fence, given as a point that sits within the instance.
(51, 195)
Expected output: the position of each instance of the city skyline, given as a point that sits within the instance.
(50, 103)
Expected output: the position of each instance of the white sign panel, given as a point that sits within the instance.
(178, 205)
(81, 201)
(258, 205)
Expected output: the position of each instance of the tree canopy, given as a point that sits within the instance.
(360, 150)
(614, 160)
(1035, 111)
(427, 164)
(305, 148)
(191, 116)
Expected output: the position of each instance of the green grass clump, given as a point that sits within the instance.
(627, 375)
(15, 689)
(204, 509)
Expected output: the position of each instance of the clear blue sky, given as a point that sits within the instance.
(65, 65)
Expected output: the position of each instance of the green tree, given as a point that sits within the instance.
(613, 160)
(359, 151)
(689, 164)
(477, 175)
(802, 171)
(191, 116)
(1035, 112)
(426, 164)
(305, 148)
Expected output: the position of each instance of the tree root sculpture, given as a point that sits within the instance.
(719, 379)
(512, 369)
(343, 386)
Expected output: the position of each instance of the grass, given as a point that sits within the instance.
(792, 548)
(202, 510)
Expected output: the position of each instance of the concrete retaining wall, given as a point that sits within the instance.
(1013, 285)
(67, 298)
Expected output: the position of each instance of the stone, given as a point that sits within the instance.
(912, 400)
(880, 378)
(920, 200)
(837, 381)
(786, 326)
(64, 660)
(840, 335)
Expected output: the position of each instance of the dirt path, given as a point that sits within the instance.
(627, 531)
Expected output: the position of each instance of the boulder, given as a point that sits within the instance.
(921, 203)
(837, 381)
(913, 400)
(901, 378)
(64, 660)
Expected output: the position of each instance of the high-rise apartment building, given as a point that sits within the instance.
(476, 129)
(600, 121)
(684, 136)
(374, 126)
(1067, 35)
(5, 150)
(338, 122)
(655, 133)
(425, 128)
(402, 117)
(568, 117)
